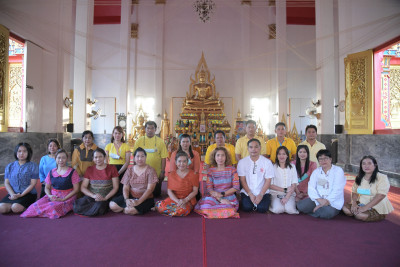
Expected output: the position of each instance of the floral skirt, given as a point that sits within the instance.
(44, 207)
(170, 208)
(211, 208)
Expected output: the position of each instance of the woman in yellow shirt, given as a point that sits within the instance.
(369, 200)
(118, 152)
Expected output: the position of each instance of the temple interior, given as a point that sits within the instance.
(67, 66)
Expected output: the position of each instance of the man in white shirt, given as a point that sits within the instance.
(255, 173)
(325, 189)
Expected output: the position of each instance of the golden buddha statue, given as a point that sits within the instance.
(138, 129)
(165, 126)
(202, 95)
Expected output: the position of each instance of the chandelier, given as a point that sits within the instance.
(204, 8)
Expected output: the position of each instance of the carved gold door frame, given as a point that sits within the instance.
(359, 93)
(4, 46)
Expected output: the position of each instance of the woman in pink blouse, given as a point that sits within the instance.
(304, 168)
(139, 182)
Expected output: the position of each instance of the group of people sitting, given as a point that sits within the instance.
(277, 177)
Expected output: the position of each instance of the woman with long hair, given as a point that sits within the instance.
(304, 169)
(284, 183)
(48, 162)
(369, 200)
(185, 145)
(222, 185)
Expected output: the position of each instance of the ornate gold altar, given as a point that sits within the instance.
(359, 93)
(202, 110)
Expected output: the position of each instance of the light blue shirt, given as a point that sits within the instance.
(46, 164)
(20, 176)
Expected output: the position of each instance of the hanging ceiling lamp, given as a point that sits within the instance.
(204, 8)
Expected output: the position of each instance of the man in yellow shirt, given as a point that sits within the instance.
(280, 140)
(219, 137)
(311, 141)
(156, 153)
(241, 144)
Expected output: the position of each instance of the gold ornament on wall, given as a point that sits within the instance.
(272, 31)
(4, 43)
(134, 30)
(359, 93)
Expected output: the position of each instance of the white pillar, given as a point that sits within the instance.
(244, 103)
(327, 62)
(125, 41)
(159, 64)
(281, 52)
(82, 76)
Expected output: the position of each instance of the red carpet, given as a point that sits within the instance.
(155, 240)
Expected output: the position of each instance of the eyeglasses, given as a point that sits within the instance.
(323, 159)
(255, 168)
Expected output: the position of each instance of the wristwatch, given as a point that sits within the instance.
(223, 194)
(285, 190)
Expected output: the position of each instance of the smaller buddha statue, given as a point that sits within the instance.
(165, 126)
(138, 128)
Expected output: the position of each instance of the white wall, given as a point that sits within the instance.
(301, 79)
(171, 39)
(48, 25)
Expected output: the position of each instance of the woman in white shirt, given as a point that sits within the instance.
(325, 189)
(284, 183)
(369, 202)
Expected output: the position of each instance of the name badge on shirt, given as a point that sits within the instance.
(114, 156)
(363, 191)
(150, 150)
(322, 182)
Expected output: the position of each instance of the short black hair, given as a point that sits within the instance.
(251, 122)
(87, 132)
(221, 132)
(28, 148)
(150, 123)
(139, 149)
(280, 124)
(312, 126)
(181, 154)
(253, 140)
(324, 152)
(100, 150)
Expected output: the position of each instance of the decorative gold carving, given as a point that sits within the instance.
(272, 2)
(4, 35)
(158, 2)
(15, 96)
(272, 31)
(135, 2)
(358, 93)
(394, 96)
(134, 30)
(246, 2)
